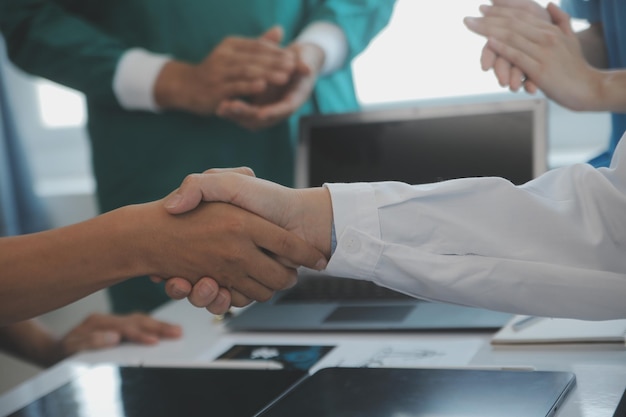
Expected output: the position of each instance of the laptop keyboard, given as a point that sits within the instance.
(329, 289)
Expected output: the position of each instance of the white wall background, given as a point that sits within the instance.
(424, 54)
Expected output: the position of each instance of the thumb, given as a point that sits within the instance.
(560, 18)
(201, 187)
(182, 200)
(274, 34)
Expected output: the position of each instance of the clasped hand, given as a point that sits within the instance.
(532, 47)
(253, 82)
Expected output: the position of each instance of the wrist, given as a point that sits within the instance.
(54, 354)
(144, 246)
(132, 244)
(610, 91)
(318, 218)
(170, 87)
(312, 56)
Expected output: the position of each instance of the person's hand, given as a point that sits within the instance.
(507, 74)
(548, 53)
(306, 212)
(277, 103)
(237, 67)
(100, 331)
(205, 293)
(239, 250)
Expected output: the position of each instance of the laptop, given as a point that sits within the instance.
(414, 145)
(374, 392)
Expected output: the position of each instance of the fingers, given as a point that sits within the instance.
(103, 330)
(506, 74)
(498, 22)
(487, 58)
(238, 170)
(250, 59)
(530, 87)
(246, 115)
(238, 299)
(254, 116)
(289, 246)
(560, 18)
(155, 279)
(516, 79)
(274, 34)
(205, 293)
(257, 117)
(502, 70)
(97, 339)
(178, 288)
(222, 302)
(238, 87)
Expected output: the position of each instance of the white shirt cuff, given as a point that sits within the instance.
(135, 76)
(331, 39)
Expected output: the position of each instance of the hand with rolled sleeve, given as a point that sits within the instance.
(320, 49)
(237, 67)
(277, 102)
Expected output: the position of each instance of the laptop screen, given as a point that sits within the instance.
(425, 144)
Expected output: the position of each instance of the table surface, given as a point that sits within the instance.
(600, 369)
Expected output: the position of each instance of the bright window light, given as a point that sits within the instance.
(425, 52)
(60, 106)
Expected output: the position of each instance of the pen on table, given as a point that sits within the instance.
(525, 322)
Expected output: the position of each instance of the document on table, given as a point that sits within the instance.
(353, 352)
(542, 330)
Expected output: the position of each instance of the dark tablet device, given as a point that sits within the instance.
(383, 392)
(620, 411)
(112, 391)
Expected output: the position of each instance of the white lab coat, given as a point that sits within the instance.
(555, 246)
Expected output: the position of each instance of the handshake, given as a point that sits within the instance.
(227, 238)
(223, 238)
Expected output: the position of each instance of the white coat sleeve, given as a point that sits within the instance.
(555, 246)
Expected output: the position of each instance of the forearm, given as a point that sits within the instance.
(50, 269)
(569, 216)
(170, 91)
(593, 46)
(609, 92)
(30, 341)
(316, 218)
(534, 249)
(496, 283)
